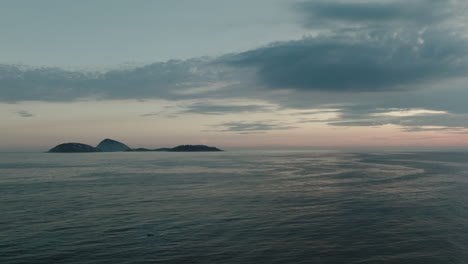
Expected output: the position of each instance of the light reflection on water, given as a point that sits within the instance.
(234, 207)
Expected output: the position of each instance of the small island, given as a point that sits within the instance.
(73, 148)
(193, 148)
(145, 149)
(110, 145)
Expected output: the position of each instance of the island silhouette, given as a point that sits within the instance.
(111, 145)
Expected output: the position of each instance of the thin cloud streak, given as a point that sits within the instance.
(249, 127)
(24, 113)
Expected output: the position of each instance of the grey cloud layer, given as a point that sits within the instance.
(383, 59)
(396, 45)
(333, 64)
(358, 63)
(158, 80)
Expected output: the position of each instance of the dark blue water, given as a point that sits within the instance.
(234, 207)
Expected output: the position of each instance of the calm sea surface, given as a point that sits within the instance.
(234, 207)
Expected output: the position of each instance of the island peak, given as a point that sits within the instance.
(111, 145)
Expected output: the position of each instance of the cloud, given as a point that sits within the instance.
(373, 13)
(453, 130)
(409, 112)
(319, 111)
(160, 114)
(364, 57)
(150, 114)
(357, 63)
(218, 109)
(209, 108)
(408, 119)
(24, 113)
(249, 127)
(158, 80)
(365, 46)
(396, 58)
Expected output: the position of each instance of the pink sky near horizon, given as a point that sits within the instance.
(81, 122)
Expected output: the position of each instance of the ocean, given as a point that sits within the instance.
(234, 207)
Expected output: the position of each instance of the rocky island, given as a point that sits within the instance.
(193, 148)
(110, 145)
(181, 148)
(73, 147)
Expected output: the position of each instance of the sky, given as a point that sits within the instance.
(382, 74)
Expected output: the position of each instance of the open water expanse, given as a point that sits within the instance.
(234, 207)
